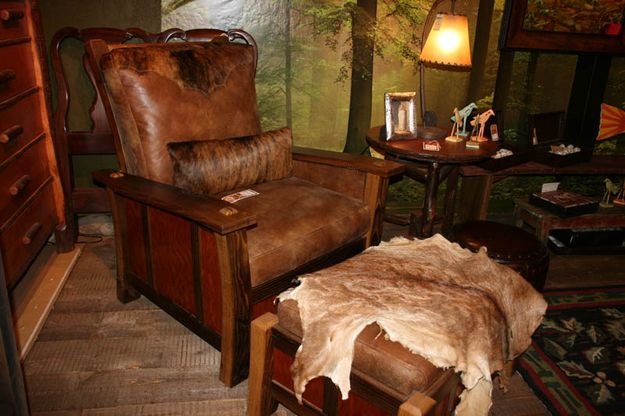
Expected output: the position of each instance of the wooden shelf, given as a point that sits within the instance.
(34, 296)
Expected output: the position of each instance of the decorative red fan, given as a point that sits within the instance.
(612, 122)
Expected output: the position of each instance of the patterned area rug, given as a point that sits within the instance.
(576, 363)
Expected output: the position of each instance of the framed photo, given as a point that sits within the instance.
(564, 26)
(401, 115)
(494, 127)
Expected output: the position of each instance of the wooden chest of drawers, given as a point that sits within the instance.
(31, 198)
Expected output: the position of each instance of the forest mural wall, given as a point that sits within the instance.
(314, 74)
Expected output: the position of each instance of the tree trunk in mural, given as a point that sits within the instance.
(480, 48)
(363, 20)
(288, 71)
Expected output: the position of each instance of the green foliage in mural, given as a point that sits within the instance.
(396, 31)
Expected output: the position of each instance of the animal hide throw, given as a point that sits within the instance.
(454, 307)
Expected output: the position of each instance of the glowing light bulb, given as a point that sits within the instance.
(448, 41)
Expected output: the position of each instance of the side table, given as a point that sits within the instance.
(430, 168)
(542, 221)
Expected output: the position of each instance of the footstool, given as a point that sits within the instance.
(507, 245)
(386, 378)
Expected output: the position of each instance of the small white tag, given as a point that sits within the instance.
(550, 186)
(237, 196)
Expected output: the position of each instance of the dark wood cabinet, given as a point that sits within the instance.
(31, 197)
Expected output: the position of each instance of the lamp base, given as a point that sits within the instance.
(431, 132)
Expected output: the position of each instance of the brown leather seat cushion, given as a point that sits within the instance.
(298, 221)
(385, 363)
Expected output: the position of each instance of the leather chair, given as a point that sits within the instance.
(187, 132)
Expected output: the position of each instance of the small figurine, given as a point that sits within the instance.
(480, 123)
(610, 189)
(455, 129)
(463, 115)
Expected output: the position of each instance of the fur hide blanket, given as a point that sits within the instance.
(454, 307)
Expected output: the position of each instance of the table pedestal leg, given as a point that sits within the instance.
(428, 212)
(450, 199)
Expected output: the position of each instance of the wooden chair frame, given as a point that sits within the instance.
(188, 253)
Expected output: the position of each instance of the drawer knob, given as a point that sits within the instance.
(11, 133)
(31, 233)
(9, 15)
(6, 75)
(19, 185)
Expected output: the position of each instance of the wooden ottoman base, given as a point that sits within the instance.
(273, 350)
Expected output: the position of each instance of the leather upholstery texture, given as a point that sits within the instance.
(385, 362)
(213, 166)
(178, 92)
(298, 221)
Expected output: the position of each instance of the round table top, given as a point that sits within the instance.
(411, 148)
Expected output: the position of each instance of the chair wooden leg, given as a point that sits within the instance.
(259, 402)
(125, 292)
(236, 308)
(417, 405)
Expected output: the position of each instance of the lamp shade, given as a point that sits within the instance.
(448, 41)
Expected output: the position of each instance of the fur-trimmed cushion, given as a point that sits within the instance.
(178, 91)
(214, 166)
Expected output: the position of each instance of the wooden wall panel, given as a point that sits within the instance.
(136, 255)
(210, 280)
(172, 260)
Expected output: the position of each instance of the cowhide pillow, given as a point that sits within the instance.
(214, 166)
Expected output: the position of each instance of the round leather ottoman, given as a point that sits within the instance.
(507, 245)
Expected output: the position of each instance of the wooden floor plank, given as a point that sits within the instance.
(130, 387)
(224, 407)
(101, 354)
(119, 324)
(196, 408)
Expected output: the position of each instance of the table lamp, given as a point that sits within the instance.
(447, 44)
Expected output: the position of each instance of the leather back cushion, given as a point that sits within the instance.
(213, 166)
(178, 92)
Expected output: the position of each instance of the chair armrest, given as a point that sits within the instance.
(379, 167)
(214, 214)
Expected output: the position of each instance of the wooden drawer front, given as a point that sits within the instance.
(22, 239)
(21, 178)
(16, 70)
(19, 124)
(12, 25)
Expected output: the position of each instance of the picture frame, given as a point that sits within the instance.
(401, 115)
(524, 28)
(494, 127)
